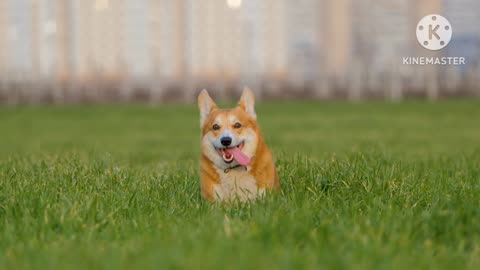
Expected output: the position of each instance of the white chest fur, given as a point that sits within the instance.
(237, 184)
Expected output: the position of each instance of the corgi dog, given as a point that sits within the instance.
(235, 162)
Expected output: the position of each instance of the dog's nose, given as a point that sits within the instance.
(226, 141)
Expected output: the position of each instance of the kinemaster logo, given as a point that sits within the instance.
(434, 32)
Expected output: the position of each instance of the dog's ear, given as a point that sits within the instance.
(247, 102)
(206, 105)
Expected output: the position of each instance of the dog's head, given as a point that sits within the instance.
(229, 136)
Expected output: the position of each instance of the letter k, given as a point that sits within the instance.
(433, 32)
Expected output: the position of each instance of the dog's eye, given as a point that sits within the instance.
(237, 125)
(216, 127)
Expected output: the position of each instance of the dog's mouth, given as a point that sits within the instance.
(234, 153)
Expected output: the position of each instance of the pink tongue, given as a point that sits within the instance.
(240, 157)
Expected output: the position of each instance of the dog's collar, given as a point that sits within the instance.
(234, 167)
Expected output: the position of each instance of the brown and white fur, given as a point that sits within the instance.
(223, 178)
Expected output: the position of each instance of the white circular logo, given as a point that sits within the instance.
(434, 32)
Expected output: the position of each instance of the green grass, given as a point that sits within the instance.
(364, 186)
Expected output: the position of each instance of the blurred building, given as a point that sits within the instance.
(104, 50)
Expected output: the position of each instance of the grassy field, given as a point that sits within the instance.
(364, 186)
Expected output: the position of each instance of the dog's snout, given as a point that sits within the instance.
(226, 141)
